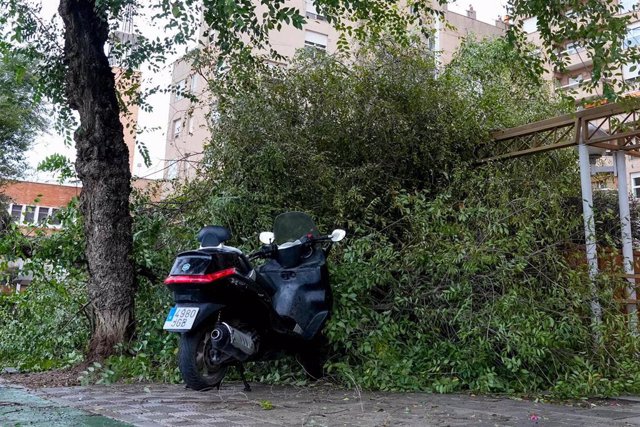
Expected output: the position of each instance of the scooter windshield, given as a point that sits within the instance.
(290, 226)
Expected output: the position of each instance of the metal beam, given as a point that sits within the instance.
(590, 236)
(627, 240)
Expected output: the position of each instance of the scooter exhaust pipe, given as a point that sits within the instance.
(232, 342)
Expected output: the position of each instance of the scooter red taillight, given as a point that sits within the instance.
(199, 278)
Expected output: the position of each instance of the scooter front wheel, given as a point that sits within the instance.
(197, 370)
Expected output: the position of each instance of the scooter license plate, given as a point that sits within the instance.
(181, 318)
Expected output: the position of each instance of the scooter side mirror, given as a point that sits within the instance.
(337, 235)
(267, 237)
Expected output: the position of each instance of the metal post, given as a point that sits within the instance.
(590, 236)
(627, 240)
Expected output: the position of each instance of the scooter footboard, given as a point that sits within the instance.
(184, 317)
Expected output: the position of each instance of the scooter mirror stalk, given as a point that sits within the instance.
(267, 237)
(337, 235)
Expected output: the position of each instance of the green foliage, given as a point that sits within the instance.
(607, 217)
(495, 79)
(453, 276)
(481, 296)
(266, 405)
(21, 114)
(339, 140)
(60, 165)
(5, 217)
(45, 327)
(597, 26)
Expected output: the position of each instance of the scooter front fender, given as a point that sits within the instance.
(205, 312)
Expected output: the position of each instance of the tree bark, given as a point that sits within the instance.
(102, 165)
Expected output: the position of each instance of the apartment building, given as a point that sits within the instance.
(579, 65)
(188, 123)
(578, 70)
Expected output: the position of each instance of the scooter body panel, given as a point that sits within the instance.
(301, 293)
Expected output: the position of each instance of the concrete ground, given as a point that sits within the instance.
(317, 405)
(20, 408)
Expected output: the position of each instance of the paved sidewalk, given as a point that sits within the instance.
(20, 408)
(323, 405)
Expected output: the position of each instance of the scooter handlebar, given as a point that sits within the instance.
(267, 251)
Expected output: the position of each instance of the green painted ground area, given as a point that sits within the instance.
(19, 408)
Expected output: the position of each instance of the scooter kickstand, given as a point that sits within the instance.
(247, 387)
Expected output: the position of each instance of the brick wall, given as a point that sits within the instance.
(51, 195)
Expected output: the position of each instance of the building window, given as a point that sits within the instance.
(34, 215)
(54, 218)
(315, 40)
(631, 71)
(312, 12)
(573, 48)
(632, 39)
(181, 86)
(42, 216)
(627, 5)
(635, 185)
(29, 214)
(530, 25)
(194, 83)
(16, 213)
(177, 128)
(172, 169)
(575, 80)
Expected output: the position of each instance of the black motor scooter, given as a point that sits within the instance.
(228, 312)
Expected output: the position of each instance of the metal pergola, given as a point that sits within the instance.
(612, 127)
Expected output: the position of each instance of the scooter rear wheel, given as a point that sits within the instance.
(195, 366)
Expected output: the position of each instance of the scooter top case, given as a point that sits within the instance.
(193, 272)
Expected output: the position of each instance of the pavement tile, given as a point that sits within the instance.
(166, 404)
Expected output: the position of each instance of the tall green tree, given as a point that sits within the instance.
(21, 119)
(21, 114)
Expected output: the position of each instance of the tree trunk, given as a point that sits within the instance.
(103, 167)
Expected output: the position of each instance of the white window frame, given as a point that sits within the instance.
(574, 82)
(176, 128)
(627, 5)
(181, 86)
(193, 84)
(312, 13)
(530, 25)
(573, 48)
(635, 189)
(172, 169)
(191, 125)
(37, 210)
(631, 39)
(316, 40)
(10, 209)
(26, 209)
